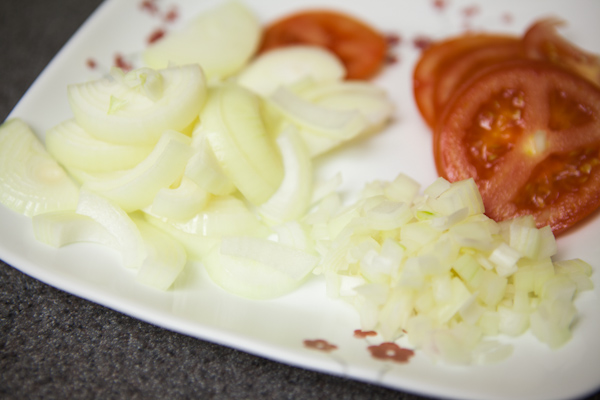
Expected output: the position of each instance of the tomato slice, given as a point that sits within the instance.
(529, 134)
(437, 59)
(362, 49)
(543, 42)
(469, 64)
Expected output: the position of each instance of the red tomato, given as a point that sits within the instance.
(361, 48)
(543, 42)
(438, 59)
(529, 134)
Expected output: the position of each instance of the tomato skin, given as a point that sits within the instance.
(361, 48)
(488, 132)
(440, 58)
(542, 42)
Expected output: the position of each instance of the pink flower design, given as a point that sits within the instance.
(320, 344)
(391, 351)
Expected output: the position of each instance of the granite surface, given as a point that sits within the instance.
(57, 346)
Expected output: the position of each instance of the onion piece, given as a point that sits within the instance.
(221, 40)
(165, 260)
(337, 124)
(118, 223)
(31, 181)
(136, 188)
(234, 128)
(73, 147)
(112, 110)
(257, 268)
(204, 169)
(287, 65)
(61, 228)
(292, 198)
(180, 203)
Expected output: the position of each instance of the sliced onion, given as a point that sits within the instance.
(257, 268)
(112, 110)
(237, 135)
(292, 198)
(180, 203)
(288, 65)
(61, 228)
(325, 121)
(204, 169)
(165, 259)
(31, 181)
(221, 39)
(73, 147)
(136, 188)
(116, 221)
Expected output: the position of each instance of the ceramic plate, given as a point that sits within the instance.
(278, 329)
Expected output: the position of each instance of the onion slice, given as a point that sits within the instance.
(221, 39)
(31, 181)
(73, 147)
(118, 111)
(288, 65)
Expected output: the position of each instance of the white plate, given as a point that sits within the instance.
(277, 329)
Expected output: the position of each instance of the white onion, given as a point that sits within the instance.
(221, 40)
(31, 181)
(113, 111)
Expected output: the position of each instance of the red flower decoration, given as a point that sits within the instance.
(360, 334)
(391, 351)
(320, 344)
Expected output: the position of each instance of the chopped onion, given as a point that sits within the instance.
(60, 228)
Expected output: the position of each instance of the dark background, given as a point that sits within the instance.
(55, 345)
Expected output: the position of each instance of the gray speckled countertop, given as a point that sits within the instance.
(55, 345)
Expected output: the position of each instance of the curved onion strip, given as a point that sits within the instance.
(60, 228)
(135, 189)
(31, 181)
(221, 40)
(73, 147)
(292, 198)
(113, 111)
(118, 223)
(180, 203)
(250, 267)
(204, 169)
(290, 64)
(338, 124)
(232, 122)
(165, 260)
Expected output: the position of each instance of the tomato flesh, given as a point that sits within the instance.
(446, 64)
(529, 134)
(361, 48)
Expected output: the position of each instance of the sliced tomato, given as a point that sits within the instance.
(361, 48)
(438, 58)
(529, 134)
(543, 42)
(469, 64)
